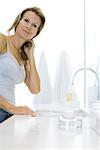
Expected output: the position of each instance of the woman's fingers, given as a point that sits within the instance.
(29, 111)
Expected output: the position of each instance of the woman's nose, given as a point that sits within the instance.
(29, 26)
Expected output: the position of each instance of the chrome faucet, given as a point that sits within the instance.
(93, 71)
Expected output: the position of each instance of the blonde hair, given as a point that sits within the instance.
(37, 11)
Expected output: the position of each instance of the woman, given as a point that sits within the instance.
(17, 62)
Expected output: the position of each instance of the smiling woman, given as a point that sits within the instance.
(13, 68)
(29, 25)
(63, 32)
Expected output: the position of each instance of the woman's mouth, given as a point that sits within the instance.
(27, 32)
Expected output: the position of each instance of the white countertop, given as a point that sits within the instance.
(22, 132)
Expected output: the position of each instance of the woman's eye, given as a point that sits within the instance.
(26, 20)
(34, 25)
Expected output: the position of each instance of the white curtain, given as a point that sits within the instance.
(44, 98)
(63, 78)
(50, 97)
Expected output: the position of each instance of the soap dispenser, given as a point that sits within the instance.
(70, 99)
(71, 94)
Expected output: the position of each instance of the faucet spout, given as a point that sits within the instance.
(93, 71)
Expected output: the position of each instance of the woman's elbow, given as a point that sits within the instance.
(35, 91)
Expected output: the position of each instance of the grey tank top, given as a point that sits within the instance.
(11, 73)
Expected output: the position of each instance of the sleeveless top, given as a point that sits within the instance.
(11, 73)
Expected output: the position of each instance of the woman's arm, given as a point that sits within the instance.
(32, 79)
(5, 104)
(17, 110)
(2, 43)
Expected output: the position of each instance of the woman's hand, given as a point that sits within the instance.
(22, 110)
(29, 50)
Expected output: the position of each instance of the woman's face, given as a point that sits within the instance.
(28, 25)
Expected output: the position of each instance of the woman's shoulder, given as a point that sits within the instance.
(3, 42)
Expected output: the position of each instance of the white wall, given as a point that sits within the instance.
(92, 43)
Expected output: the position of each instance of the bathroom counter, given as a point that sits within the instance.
(22, 132)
